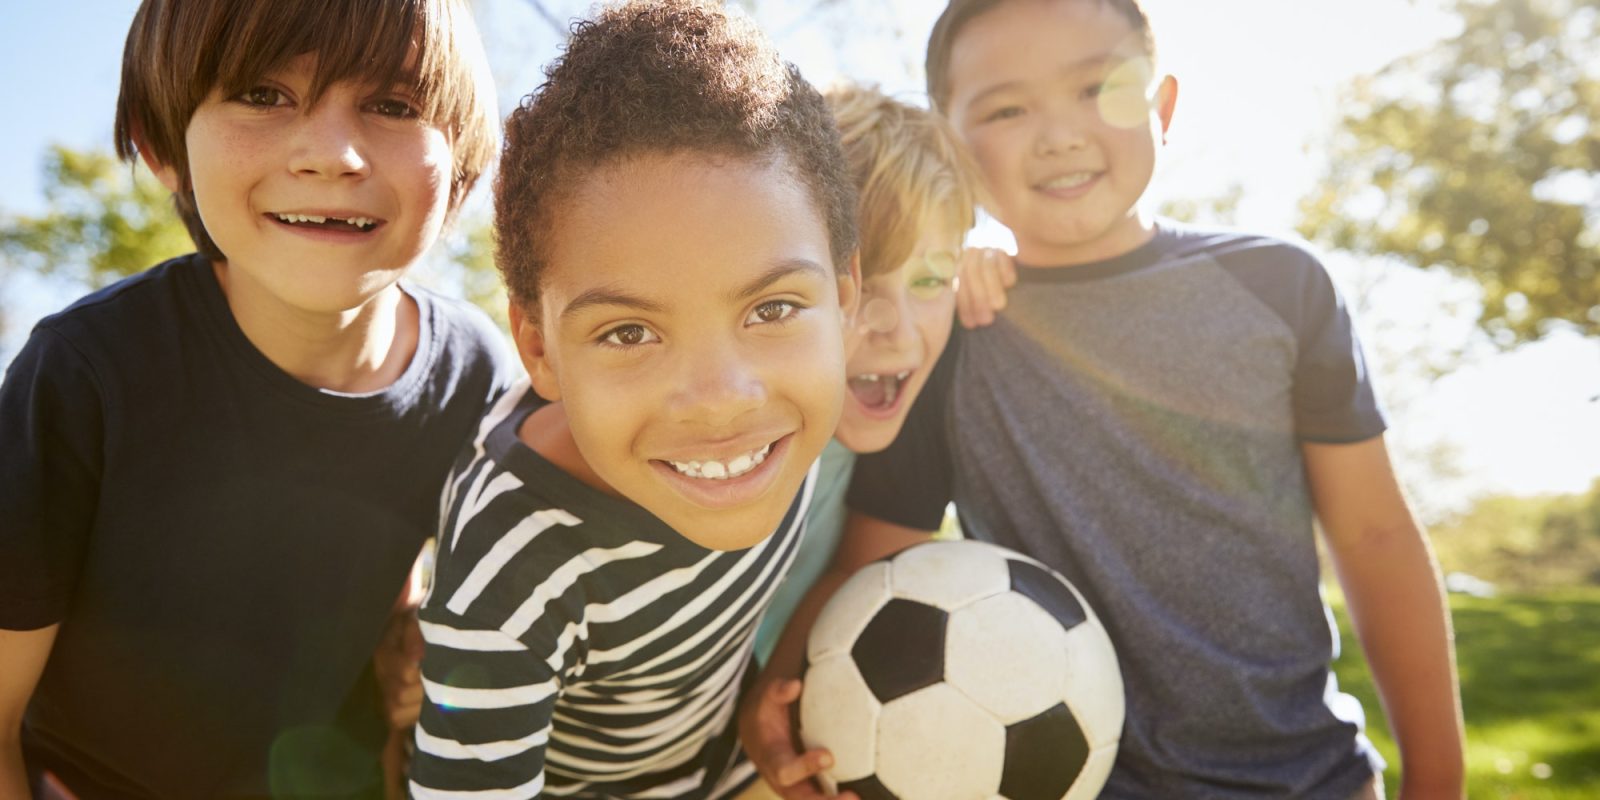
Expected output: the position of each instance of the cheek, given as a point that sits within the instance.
(934, 319)
(434, 167)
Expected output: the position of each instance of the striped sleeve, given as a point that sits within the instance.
(491, 678)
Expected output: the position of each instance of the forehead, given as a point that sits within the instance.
(1027, 41)
(681, 224)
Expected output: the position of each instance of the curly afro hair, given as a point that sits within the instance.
(660, 77)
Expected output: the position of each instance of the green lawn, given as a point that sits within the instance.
(1530, 685)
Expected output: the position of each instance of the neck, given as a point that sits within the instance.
(1123, 237)
(358, 350)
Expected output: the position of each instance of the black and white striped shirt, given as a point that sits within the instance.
(576, 645)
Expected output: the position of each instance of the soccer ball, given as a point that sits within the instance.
(961, 671)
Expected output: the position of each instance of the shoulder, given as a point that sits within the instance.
(1283, 272)
(467, 346)
(1234, 248)
(130, 305)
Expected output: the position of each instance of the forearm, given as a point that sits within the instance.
(13, 776)
(1397, 606)
(1392, 588)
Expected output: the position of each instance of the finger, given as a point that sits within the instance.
(976, 295)
(994, 290)
(1008, 268)
(785, 691)
(411, 637)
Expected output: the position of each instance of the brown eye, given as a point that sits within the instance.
(772, 311)
(628, 336)
(262, 96)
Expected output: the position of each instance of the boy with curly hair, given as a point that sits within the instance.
(676, 227)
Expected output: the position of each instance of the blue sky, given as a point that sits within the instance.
(1257, 96)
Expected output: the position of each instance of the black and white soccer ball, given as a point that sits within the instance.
(962, 671)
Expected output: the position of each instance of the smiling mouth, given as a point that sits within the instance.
(878, 390)
(1071, 180)
(357, 224)
(711, 469)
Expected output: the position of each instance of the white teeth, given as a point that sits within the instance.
(718, 471)
(1068, 181)
(359, 222)
(869, 378)
(902, 375)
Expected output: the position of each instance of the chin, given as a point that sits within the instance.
(867, 437)
(718, 534)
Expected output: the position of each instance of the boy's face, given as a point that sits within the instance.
(902, 327)
(316, 208)
(691, 322)
(1059, 104)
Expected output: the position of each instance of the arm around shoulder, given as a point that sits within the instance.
(1397, 604)
(22, 658)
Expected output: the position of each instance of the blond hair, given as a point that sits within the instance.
(910, 171)
(179, 51)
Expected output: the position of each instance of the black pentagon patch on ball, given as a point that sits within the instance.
(1043, 756)
(902, 649)
(1040, 586)
(868, 788)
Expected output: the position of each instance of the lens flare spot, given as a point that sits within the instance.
(1127, 93)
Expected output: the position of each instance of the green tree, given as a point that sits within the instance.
(1481, 156)
(106, 220)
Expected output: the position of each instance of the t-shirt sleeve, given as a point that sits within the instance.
(1332, 395)
(51, 421)
(910, 482)
(489, 702)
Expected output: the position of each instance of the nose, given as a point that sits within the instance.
(717, 384)
(1060, 131)
(328, 143)
(885, 322)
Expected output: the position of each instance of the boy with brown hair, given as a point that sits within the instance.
(1175, 407)
(218, 472)
(676, 228)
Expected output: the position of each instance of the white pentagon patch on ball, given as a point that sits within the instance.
(962, 671)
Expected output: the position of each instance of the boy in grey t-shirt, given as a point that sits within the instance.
(1159, 416)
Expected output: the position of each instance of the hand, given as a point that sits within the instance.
(764, 730)
(398, 666)
(985, 275)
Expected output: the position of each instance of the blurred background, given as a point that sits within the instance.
(1443, 155)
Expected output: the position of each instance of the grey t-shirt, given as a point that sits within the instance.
(1136, 424)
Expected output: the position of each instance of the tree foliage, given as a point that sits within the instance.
(1526, 542)
(105, 220)
(1481, 156)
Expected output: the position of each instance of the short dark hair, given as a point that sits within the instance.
(179, 51)
(960, 12)
(660, 77)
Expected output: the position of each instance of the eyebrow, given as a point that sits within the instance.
(1081, 65)
(606, 296)
(778, 272)
(610, 296)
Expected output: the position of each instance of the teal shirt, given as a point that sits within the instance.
(824, 525)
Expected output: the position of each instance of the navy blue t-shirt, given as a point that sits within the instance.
(219, 542)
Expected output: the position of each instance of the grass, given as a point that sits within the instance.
(1530, 687)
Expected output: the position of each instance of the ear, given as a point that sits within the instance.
(163, 172)
(528, 335)
(850, 294)
(1166, 103)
